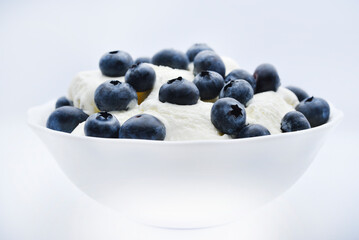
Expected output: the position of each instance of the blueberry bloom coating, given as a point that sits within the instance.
(316, 110)
(63, 101)
(115, 63)
(267, 78)
(252, 130)
(179, 91)
(294, 121)
(143, 126)
(195, 49)
(141, 77)
(208, 61)
(103, 125)
(65, 119)
(241, 74)
(240, 90)
(171, 58)
(209, 84)
(113, 95)
(228, 115)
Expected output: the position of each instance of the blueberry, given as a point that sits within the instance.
(66, 119)
(238, 89)
(171, 58)
(103, 125)
(228, 115)
(267, 78)
(300, 93)
(113, 95)
(141, 77)
(63, 101)
(143, 126)
(195, 49)
(252, 130)
(115, 63)
(179, 91)
(143, 60)
(294, 121)
(209, 84)
(316, 110)
(208, 60)
(241, 74)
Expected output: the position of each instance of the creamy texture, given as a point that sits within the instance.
(183, 122)
(230, 64)
(268, 108)
(288, 96)
(82, 89)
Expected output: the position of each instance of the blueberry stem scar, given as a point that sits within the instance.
(173, 80)
(115, 82)
(204, 73)
(105, 115)
(228, 85)
(309, 99)
(236, 111)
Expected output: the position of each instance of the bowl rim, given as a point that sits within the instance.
(335, 118)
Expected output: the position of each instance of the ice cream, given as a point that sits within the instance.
(183, 122)
(82, 89)
(268, 108)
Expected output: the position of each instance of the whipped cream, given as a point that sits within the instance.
(182, 122)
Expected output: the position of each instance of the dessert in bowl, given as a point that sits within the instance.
(208, 170)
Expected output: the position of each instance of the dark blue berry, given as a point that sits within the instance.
(141, 77)
(316, 110)
(228, 115)
(240, 90)
(267, 78)
(143, 126)
(252, 130)
(300, 93)
(208, 61)
(115, 63)
(143, 60)
(209, 84)
(113, 95)
(103, 125)
(195, 49)
(63, 101)
(241, 74)
(66, 119)
(171, 58)
(179, 91)
(294, 121)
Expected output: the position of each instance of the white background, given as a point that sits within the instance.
(313, 44)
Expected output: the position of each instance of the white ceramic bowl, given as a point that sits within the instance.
(184, 184)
